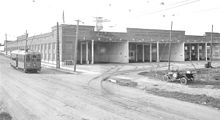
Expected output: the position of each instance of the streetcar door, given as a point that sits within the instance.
(36, 60)
(27, 61)
(16, 61)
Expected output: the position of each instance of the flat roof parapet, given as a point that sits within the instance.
(87, 27)
(215, 36)
(194, 38)
(154, 35)
(41, 35)
(134, 30)
(23, 37)
(111, 35)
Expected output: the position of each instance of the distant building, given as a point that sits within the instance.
(1, 47)
(135, 45)
(6, 49)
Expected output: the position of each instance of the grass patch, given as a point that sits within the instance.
(198, 99)
(203, 77)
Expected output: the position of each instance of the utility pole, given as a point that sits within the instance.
(76, 44)
(26, 39)
(58, 48)
(18, 47)
(211, 48)
(6, 51)
(170, 45)
(63, 17)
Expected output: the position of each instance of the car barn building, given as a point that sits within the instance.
(135, 45)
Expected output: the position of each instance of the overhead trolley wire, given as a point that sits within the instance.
(167, 7)
(173, 7)
(183, 1)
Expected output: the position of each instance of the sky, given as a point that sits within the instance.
(38, 16)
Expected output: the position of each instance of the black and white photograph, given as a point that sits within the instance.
(109, 60)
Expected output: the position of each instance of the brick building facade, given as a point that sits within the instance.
(135, 45)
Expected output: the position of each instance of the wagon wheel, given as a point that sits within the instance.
(183, 80)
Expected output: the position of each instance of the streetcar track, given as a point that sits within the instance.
(105, 74)
(137, 105)
(129, 104)
(67, 86)
(94, 93)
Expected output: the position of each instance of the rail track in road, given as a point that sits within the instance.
(136, 104)
(105, 74)
(70, 96)
(125, 109)
(93, 99)
(131, 104)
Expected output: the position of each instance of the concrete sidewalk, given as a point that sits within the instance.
(102, 68)
(68, 68)
(97, 68)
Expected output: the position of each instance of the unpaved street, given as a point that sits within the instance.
(54, 95)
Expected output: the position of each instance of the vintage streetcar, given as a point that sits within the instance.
(26, 60)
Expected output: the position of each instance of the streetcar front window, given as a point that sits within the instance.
(13, 58)
(34, 56)
(38, 57)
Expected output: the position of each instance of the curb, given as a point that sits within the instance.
(60, 69)
(66, 69)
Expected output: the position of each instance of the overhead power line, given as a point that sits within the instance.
(183, 1)
(167, 7)
(207, 10)
(173, 7)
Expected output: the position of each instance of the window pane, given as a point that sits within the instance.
(28, 58)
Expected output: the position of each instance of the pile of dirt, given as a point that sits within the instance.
(198, 99)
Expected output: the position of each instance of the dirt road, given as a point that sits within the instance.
(53, 95)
